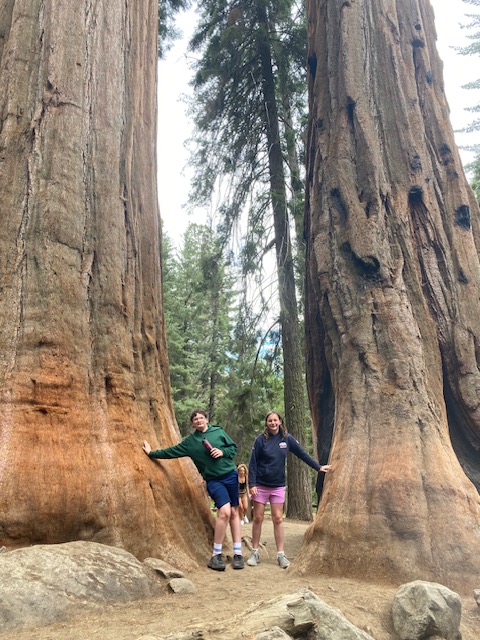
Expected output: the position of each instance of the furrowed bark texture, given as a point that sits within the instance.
(83, 370)
(392, 312)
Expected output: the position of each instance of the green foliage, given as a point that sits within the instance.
(249, 110)
(228, 109)
(255, 383)
(233, 45)
(198, 306)
(216, 360)
(167, 33)
(473, 49)
(475, 184)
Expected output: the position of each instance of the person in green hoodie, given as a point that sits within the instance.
(212, 452)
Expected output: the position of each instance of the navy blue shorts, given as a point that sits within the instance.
(224, 490)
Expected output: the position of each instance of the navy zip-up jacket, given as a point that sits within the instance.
(267, 460)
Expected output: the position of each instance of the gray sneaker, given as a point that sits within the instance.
(237, 562)
(216, 563)
(254, 559)
(283, 561)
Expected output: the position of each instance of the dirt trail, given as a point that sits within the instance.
(222, 595)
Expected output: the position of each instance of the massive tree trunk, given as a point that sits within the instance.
(83, 369)
(299, 491)
(393, 309)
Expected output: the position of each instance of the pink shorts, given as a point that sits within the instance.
(274, 495)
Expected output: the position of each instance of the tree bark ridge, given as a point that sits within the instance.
(388, 310)
(84, 371)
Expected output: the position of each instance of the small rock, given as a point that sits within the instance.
(163, 568)
(476, 595)
(181, 585)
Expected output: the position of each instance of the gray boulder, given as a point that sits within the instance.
(48, 583)
(299, 614)
(425, 609)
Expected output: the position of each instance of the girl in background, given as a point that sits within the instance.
(242, 471)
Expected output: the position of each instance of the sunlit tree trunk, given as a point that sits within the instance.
(393, 311)
(83, 370)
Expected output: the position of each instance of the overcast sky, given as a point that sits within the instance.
(174, 127)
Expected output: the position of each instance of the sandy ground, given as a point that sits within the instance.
(221, 595)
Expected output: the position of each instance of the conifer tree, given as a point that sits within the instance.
(217, 357)
(473, 49)
(167, 10)
(241, 117)
(199, 296)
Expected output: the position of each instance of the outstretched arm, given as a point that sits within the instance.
(177, 451)
(297, 450)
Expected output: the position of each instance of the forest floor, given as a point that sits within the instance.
(222, 595)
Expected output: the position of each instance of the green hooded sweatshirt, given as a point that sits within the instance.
(192, 447)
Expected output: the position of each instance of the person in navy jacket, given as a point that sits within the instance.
(266, 479)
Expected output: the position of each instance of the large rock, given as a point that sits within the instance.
(47, 583)
(426, 609)
(298, 614)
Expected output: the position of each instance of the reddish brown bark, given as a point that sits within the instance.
(83, 369)
(393, 314)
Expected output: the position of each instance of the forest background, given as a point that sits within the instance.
(223, 331)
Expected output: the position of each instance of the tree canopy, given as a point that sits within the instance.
(473, 49)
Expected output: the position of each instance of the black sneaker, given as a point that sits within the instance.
(237, 562)
(216, 563)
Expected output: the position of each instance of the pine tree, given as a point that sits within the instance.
(167, 10)
(473, 49)
(199, 290)
(218, 359)
(241, 116)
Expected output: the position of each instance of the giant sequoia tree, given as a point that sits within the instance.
(83, 368)
(393, 309)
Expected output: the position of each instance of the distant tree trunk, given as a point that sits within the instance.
(83, 370)
(213, 362)
(296, 204)
(393, 310)
(299, 491)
